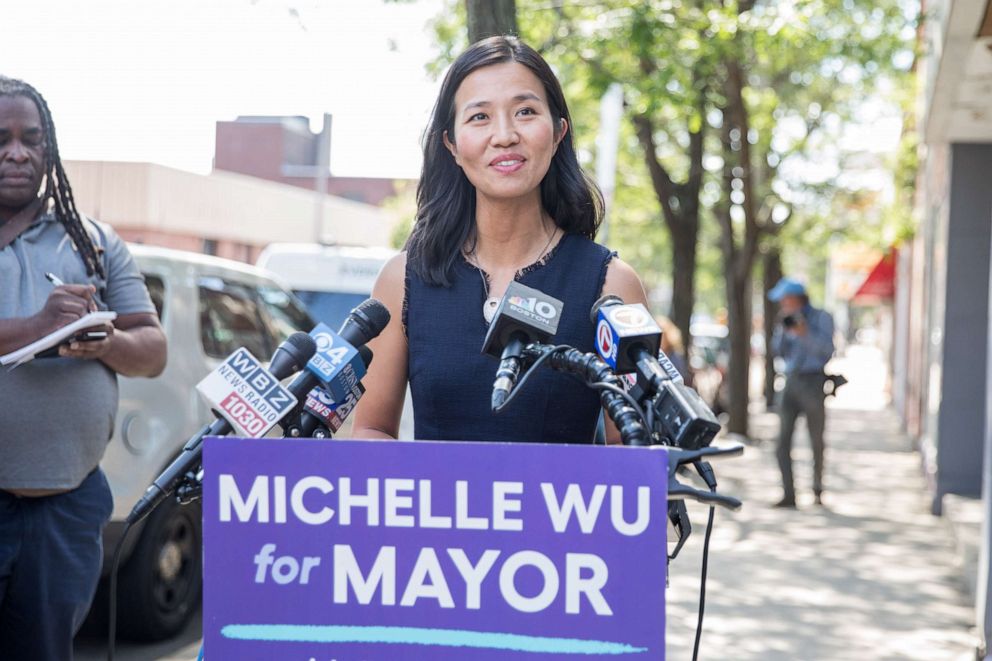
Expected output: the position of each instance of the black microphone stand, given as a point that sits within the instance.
(589, 367)
(676, 420)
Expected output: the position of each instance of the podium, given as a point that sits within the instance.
(376, 550)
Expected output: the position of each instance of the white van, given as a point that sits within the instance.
(208, 307)
(330, 280)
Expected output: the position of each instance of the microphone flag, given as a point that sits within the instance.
(246, 394)
(336, 363)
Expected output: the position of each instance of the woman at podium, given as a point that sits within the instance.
(501, 198)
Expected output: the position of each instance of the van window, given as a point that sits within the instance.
(330, 307)
(156, 289)
(284, 312)
(229, 318)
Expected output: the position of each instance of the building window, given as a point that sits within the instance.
(209, 247)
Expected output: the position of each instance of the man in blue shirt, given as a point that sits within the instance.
(805, 341)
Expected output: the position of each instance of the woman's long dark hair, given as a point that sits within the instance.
(445, 221)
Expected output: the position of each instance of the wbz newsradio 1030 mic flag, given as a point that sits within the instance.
(248, 394)
(379, 550)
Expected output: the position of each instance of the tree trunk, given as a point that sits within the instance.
(679, 202)
(490, 17)
(771, 273)
(739, 256)
(739, 370)
(684, 239)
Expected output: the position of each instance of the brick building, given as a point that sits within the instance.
(284, 149)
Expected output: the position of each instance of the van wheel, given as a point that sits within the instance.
(161, 584)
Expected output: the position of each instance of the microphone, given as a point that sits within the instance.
(364, 323)
(628, 339)
(288, 358)
(322, 416)
(524, 316)
(337, 366)
(626, 336)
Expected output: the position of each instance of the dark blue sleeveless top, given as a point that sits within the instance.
(452, 381)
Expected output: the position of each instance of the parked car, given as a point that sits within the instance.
(208, 307)
(709, 358)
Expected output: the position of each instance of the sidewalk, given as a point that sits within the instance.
(870, 576)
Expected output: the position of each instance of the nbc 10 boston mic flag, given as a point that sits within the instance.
(375, 550)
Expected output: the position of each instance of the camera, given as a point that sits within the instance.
(684, 418)
(832, 382)
(792, 320)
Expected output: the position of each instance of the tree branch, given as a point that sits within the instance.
(662, 183)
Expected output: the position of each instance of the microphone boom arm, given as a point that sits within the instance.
(592, 369)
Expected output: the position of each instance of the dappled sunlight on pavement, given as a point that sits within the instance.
(871, 575)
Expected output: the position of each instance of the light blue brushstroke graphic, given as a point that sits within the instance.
(299, 633)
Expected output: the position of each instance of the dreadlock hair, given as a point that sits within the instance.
(58, 192)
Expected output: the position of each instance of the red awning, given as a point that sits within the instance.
(881, 281)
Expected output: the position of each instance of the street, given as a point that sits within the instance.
(184, 647)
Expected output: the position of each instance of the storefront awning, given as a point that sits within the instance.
(881, 281)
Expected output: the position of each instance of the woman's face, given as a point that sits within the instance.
(504, 133)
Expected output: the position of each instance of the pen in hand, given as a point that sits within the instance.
(57, 281)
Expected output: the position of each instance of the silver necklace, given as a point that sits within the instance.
(491, 303)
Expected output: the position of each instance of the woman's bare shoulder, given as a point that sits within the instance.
(391, 277)
(622, 280)
(394, 268)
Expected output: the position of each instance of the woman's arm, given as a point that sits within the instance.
(378, 412)
(622, 281)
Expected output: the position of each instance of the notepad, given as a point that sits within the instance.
(28, 352)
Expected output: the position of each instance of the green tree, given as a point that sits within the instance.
(656, 51)
(791, 75)
(732, 106)
(665, 90)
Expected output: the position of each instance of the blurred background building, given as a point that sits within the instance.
(285, 150)
(271, 183)
(943, 385)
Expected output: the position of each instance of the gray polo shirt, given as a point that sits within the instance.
(57, 414)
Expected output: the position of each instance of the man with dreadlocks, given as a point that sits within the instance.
(56, 414)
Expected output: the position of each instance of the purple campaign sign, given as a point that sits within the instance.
(376, 550)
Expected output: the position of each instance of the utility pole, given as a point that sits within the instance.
(321, 175)
(607, 148)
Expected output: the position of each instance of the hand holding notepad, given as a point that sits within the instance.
(55, 338)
